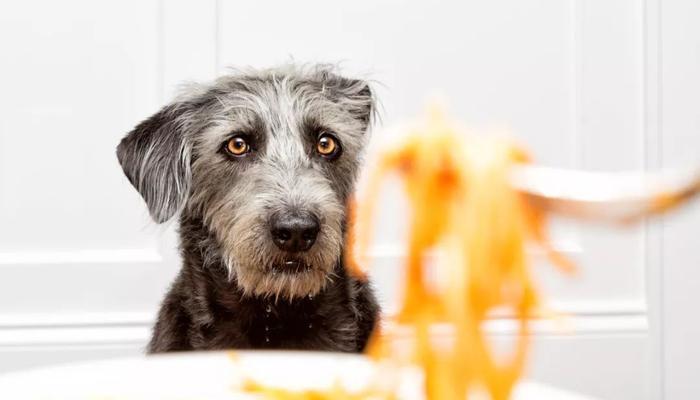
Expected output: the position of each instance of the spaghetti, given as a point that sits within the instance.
(461, 199)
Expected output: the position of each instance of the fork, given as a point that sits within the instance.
(618, 197)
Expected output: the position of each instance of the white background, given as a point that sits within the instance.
(604, 85)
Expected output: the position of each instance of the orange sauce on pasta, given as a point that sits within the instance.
(461, 199)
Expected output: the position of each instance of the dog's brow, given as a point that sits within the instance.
(241, 119)
(311, 126)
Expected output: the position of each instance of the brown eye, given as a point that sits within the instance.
(237, 146)
(327, 146)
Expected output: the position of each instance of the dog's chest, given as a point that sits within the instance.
(279, 326)
(307, 324)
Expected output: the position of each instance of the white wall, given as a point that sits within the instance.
(604, 85)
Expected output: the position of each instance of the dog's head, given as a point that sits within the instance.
(267, 159)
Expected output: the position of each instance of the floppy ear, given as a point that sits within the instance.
(365, 102)
(354, 94)
(155, 156)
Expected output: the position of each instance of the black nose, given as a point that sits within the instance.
(294, 232)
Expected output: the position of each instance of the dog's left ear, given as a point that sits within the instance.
(354, 94)
(155, 156)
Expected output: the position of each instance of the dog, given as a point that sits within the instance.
(259, 167)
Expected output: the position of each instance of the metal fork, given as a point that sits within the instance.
(605, 197)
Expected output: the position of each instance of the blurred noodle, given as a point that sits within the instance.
(460, 198)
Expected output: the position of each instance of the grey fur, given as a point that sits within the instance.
(175, 160)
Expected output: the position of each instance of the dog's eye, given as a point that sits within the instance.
(237, 146)
(328, 146)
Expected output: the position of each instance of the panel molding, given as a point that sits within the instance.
(80, 256)
(135, 328)
(75, 319)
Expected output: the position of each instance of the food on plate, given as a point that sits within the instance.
(337, 392)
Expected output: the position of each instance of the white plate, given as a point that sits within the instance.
(214, 376)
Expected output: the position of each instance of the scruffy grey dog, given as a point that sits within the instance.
(259, 165)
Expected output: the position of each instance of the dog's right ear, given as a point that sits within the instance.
(355, 95)
(155, 156)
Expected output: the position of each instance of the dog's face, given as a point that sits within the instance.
(267, 160)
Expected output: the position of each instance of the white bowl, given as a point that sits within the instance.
(215, 375)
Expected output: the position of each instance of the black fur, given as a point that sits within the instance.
(204, 310)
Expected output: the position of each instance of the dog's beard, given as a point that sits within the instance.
(271, 282)
(260, 269)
